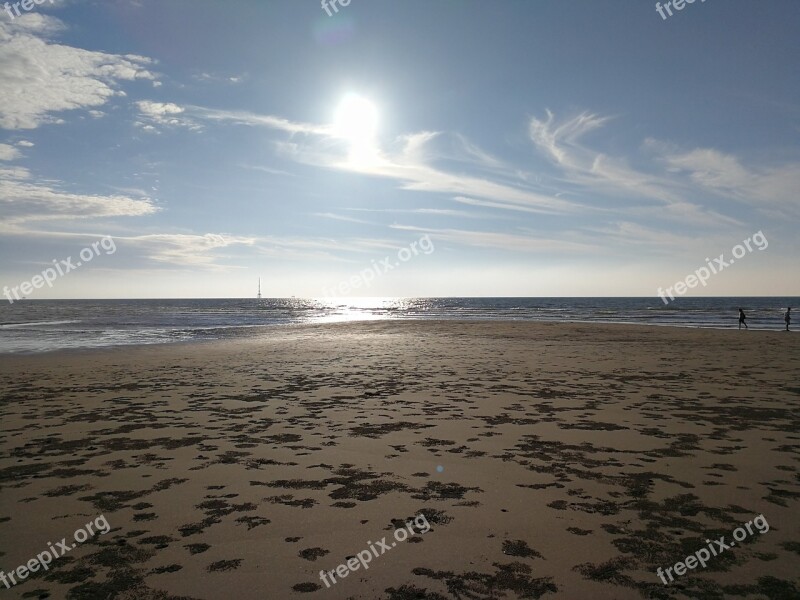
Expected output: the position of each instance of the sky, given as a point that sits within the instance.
(399, 147)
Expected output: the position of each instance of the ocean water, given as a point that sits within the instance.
(46, 325)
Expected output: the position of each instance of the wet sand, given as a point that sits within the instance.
(550, 460)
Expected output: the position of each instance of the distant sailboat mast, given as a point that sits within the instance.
(259, 288)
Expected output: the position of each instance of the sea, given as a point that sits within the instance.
(33, 326)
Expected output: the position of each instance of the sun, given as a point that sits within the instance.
(356, 122)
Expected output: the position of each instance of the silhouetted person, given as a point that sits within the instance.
(742, 318)
(788, 317)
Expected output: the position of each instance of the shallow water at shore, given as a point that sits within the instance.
(45, 325)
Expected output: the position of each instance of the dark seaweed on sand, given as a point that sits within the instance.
(519, 548)
(375, 431)
(513, 577)
(224, 565)
(312, 554)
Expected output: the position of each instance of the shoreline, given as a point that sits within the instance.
(260, 331)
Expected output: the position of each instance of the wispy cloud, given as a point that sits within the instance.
(247, 118)
(215, 78)
(336, 217)
(444, 212)
(269, 170)
(411, 165)
(678, 178)
(410, 169)
(503, 241)
(488, 204)
(590, 169)
(772, 188)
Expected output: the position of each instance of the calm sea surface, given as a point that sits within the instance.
(43, 325)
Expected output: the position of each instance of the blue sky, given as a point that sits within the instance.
(546, 148)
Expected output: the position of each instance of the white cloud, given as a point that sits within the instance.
(764, 187)
(163, 114)
(32, 23)
(8, 152)
(24, 202)
(25, 144)
(188, 250)
(14, 173)
(159, 109)
(39, 78)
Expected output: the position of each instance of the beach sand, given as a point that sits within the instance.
(550, 460)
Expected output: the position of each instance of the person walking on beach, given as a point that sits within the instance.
(788, 317)
(742, 318)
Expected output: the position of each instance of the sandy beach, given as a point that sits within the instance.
(548, 460)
